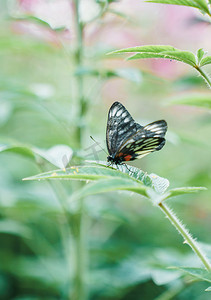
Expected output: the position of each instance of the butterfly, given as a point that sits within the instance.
(127, 140)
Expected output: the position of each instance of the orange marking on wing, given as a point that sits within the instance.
(119, 154)
(127, 157)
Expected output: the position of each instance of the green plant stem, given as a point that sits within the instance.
(186, 235)
(204, 75)
(79, 231)
(78, 222)
(79, 78)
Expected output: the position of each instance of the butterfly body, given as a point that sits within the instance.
(118, 159)
(127, 140)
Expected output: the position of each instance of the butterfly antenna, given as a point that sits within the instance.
(98, 145)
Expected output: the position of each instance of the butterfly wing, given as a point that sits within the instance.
(146, 140)
(157, 128)
(120, 127)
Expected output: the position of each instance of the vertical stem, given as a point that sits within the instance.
(78, 222)
(186, 235)
(79, 79)
(79, 291)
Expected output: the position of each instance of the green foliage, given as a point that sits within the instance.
(205, 61)
(200, 54)
(15, 228)
(108, 179)
(198, 273)
(21, 150)
(58, 155)
(200, 4)
(169, 52)
(89, 231)
(182, 191)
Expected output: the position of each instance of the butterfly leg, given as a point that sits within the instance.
(110, 164)
(117, 167)
(126, 166)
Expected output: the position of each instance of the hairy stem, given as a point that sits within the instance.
(186, 235)
(204, 75)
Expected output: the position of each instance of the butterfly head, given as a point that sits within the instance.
(114, 160)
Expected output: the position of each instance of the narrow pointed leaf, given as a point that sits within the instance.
(200, 54)
(147, 49)
(153, 51)
(148, 55)
(184, 190)
(108, 178)
(208, 289)
(205, 61)
(33, 19)
(157, 183)
(200, 4)
(21, 150)
(199, 273)
(82, 173)
(183, 56)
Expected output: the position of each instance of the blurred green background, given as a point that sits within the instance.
(129, 243)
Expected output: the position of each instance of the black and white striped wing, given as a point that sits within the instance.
(146, 140)
(120, 127)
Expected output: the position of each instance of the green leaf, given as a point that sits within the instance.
(183, 56)
(14, 228)
(205, 61)
(200, 54)
(153, 51)
(199, 273)
(58, 155)
(22, 150)
(200, 4)
(208, 289)
(33, 19)
(39, 21)
(88, 172)
(108, 185)
(183, 190)
(147, 49)
(99, 171)
(199, 100)
(111, 179)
